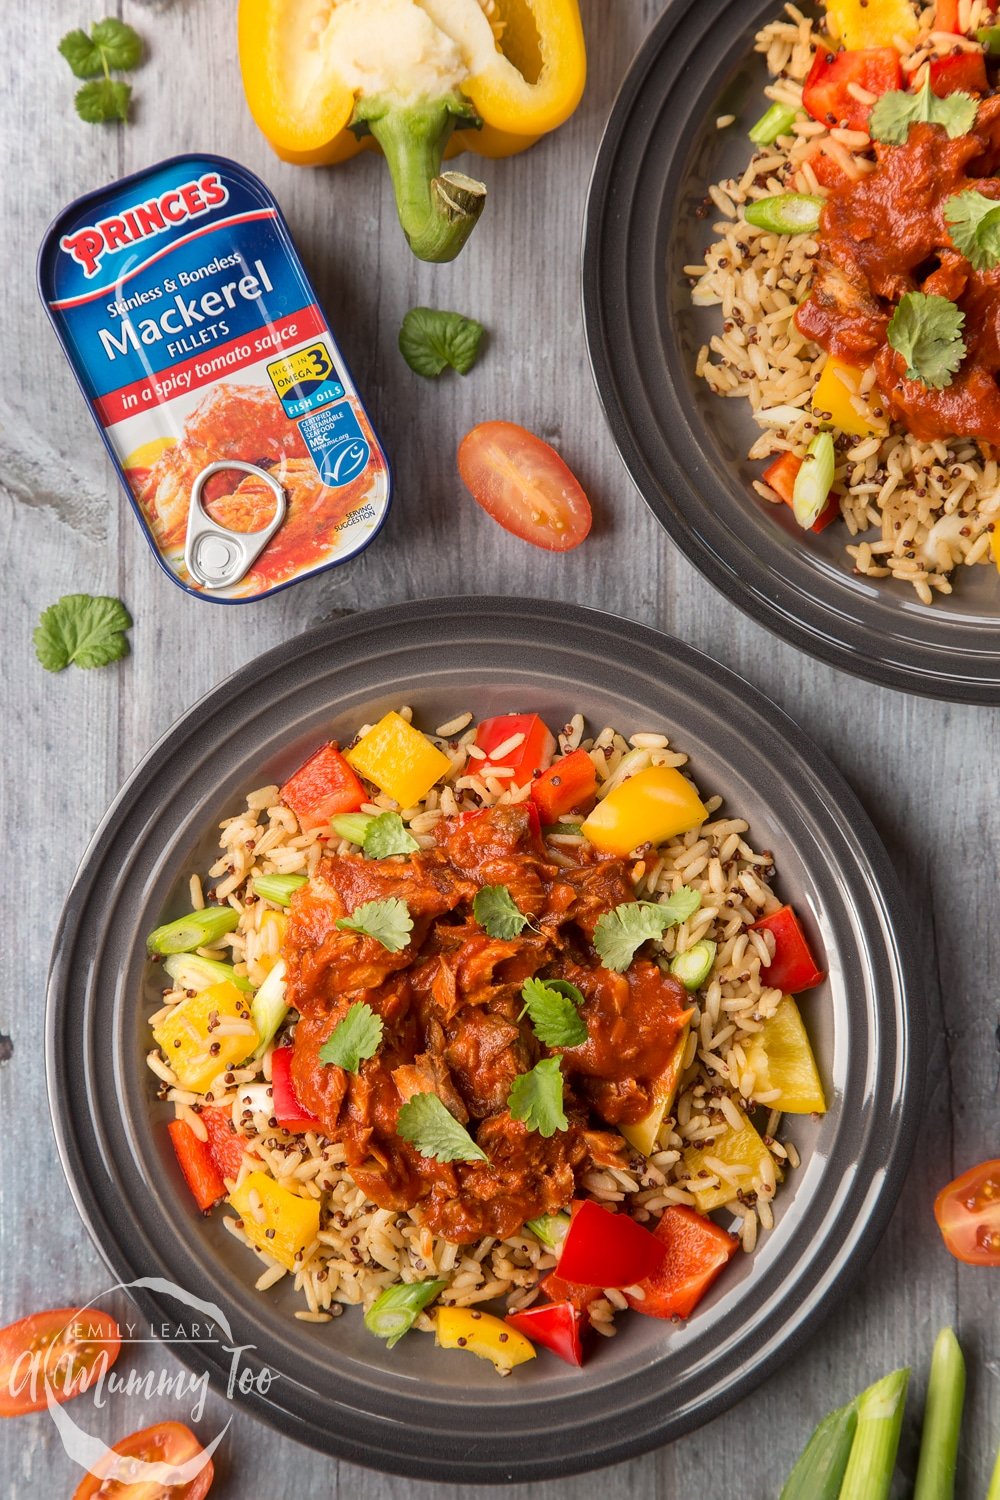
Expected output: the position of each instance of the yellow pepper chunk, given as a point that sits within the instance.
(185, 1035)
(483, 1334)
(652, 806)
(736, 1148)
(642, 1135)
(782, 1058)
(871, 23)
(838, 393)
(400, 760)
(294, 1220)
(995, 543)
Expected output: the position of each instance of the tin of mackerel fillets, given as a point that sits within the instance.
(214, 378)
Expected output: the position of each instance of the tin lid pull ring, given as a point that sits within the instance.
(214, 556)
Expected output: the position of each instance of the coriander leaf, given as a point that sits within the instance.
(119, 44)
(927, 332)
(387, 834)
(426, 1124)
(553, 1008)
(620, 933)
(974, 221)
(536, 1098)
(388, 922)
(84, 629)
(894, 113)
(430, 340)
(102, 100)
(357, 1035)
(496, 913)
(82, 55)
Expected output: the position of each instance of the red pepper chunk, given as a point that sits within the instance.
(607, 1249)
(946, 16)
(322, 787)
(554, 1325)
(195, 1161)
(568, 784)
(965, 73)
(289, 1113)
(533, 753)
(226, 1148)
(558, 1289)
(827, 95)
(696, 1251)
(793, 967)
(781, 476)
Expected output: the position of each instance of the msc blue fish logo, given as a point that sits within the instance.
(344, 462)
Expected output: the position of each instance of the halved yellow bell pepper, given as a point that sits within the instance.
(838, 392)
(642, 1135)
(524, 70)
(400, 760)
(736, 1148)
(648, 808)
(287, 1224)
(782, 1059)
(217, 1017)
(871, 23)
(483, 1334)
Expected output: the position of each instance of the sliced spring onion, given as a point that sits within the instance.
(693, 966)
(942, 1421)
(551, 1229)
(352, 826)
(788, 213)
(820, 1470)
(278, 888)
(193, 931)
(190, 971)
(269, 1007)
(873, 1453)
(778, 120)
(814, 480)
(990, 38)
(555, 829)
(396, 1311)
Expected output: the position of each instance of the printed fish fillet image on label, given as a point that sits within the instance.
(194, 333)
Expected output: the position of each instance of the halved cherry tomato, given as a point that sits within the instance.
(793, 967)
(697, 1250)
(524, 485)
(968, 1215)
(226, 1147)
(196, 1162)
(166, 1443)
(323, 786)
(565, 786)
(531, 755)
(607, 1249)
(68, 1349)
(554, 1325)
(289, 1113)
(966, 73)
(781, 475)
(827, 94)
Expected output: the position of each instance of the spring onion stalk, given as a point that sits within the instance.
(814, 480)
(993, 1493)
(819, 1472)
(278, 888)
(876, 1441)
(942, 1421)
(269, 1007)
(396, 1311)
(778, 120)
(352, 826)
(195, 930)
(990, 38)
(190, 971)
(553, 830)
(788, 213)
(551, 1229)
(693, 966)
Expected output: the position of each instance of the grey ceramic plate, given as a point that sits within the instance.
(686, 448)
(419, 1410)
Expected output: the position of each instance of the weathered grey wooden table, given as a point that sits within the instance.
(927, 772)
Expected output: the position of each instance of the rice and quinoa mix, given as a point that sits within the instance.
(916, 511)
(362, 1249)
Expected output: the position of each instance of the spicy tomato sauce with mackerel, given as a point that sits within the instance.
(451, 1003)
(884, 235)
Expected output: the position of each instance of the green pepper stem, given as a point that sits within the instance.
(438, 210)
